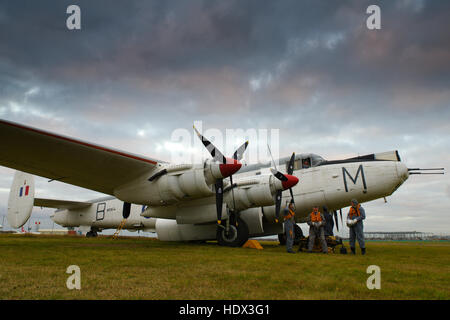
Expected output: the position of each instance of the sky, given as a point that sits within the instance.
(137, 71)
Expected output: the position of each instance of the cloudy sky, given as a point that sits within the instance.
(139, 70)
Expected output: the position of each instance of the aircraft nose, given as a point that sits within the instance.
(290, 182)
(230, 167)
(402, 171)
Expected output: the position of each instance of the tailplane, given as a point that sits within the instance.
(21, 199)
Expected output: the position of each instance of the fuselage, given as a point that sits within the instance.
(323, 183)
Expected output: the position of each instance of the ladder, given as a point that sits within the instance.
(122, 223)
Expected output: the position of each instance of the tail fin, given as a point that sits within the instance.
(21, 199)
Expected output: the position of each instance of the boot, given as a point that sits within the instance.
(353, 250)
(363, 251)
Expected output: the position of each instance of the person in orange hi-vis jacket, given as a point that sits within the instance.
(289, 222)
(316, 222)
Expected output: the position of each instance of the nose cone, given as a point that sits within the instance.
(402, 171)
(290, 182)
(230, 167)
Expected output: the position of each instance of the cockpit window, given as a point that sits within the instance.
(306, 163)
(316, 160)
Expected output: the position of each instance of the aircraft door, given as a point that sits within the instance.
(126, 210)
(100, 214)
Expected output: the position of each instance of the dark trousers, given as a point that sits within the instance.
(357, 233)
(317, 232)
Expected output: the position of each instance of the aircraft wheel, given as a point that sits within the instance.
(298, 234)
(236, 236)
(91, 234)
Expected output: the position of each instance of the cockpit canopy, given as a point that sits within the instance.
(302, 161)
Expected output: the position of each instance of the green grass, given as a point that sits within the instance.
(33, 267)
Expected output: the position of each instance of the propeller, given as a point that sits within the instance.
(290, 170)
(287, 181)
(227, 166)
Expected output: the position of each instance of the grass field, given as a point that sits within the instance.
(34, 267)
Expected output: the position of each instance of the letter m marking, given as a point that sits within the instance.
(346, 173)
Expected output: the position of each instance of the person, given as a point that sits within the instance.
(316, 222)
(355, 218)
(289, 222)
(329, 223)
(306, 164)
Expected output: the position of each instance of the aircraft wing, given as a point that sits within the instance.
(60, 204)
(69, 160)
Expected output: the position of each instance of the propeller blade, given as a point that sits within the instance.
(290, 168)
(292, 196)
(239, 153)
(336, 219)
(277, 204)
(215, 153)
(273, 161)
(219, 199)
(232, 193)
(278, 175)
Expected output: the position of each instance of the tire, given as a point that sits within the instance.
(91, 234)
(298, 234)
(237, 235)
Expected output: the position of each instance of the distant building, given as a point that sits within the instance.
(398, 235)
(53, 231)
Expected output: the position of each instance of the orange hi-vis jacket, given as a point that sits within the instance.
(316, 217)
(354, 212)
(290, 215)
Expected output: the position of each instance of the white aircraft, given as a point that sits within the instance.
(184, 202)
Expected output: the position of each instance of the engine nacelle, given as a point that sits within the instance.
(253, 219)
(172, 183)
(254, 192)
(169, 230)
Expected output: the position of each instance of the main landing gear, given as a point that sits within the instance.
(92, 233)
(234, 232)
